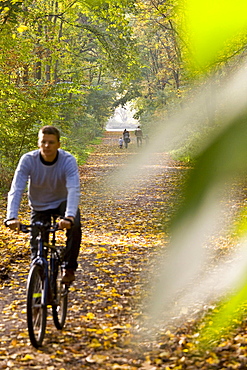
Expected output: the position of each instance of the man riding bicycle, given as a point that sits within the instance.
(53, 189)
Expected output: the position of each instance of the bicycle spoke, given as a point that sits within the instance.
(37, 310)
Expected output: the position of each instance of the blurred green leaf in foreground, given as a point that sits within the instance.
(210, 28)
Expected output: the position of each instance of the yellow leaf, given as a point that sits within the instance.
(212, 360)
(90, 316)
(94, 343)
(27, 358)
(14, 342)
(22, 28)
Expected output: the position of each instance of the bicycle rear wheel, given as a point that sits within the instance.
(36, 309)
(60, 305)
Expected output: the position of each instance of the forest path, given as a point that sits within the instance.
(122, 234)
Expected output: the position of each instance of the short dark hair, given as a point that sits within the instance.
(50, 130)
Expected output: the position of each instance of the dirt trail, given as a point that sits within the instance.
(121, 235)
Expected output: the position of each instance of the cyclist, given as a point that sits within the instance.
(53, 188)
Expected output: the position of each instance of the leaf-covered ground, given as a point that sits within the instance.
(122, 234)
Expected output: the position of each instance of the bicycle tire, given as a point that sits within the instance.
(36, 309)
(60, 304)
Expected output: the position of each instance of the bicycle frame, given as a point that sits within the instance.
(40, 259)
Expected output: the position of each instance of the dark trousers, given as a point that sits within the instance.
(126, 142)
(73, 234)
(139, 140)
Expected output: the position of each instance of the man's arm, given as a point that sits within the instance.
(73, 189)
(73, 197)
(17, 187)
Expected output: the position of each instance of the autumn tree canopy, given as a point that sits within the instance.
(71, 63)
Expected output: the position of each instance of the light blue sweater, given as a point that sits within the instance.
(48, 185)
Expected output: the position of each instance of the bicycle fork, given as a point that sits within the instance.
(42, 262)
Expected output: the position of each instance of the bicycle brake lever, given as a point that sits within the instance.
(56, 226)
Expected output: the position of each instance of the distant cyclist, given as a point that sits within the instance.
(53, 188)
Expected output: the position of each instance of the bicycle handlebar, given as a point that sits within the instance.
(26, 228)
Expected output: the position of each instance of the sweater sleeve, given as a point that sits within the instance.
(73, 188)
(17, 188)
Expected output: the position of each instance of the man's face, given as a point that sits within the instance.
(48, 145)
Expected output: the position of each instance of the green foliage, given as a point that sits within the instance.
(80, 143)
(161, 80)
(9, 11)
(59, 64)
(23, 109)
(220, 161)
(213, 29)
(223, 160)
(222, 321)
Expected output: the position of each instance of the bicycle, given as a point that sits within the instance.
(44, 284)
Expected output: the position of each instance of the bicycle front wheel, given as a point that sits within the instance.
(36, 307)
(59, 307)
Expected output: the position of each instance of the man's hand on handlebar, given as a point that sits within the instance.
(13, 224)
(66, 223)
